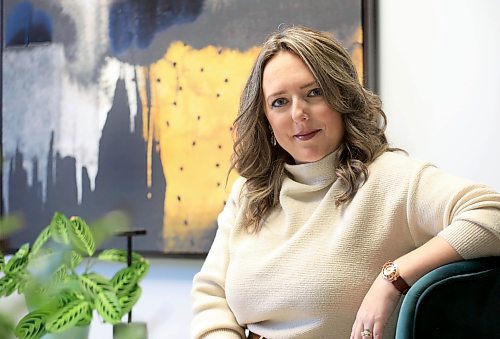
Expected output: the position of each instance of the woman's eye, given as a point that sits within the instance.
(315, 92)
(279, 102)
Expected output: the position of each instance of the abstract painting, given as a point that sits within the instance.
(128, 105)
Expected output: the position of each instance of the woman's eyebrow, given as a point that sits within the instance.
(314, 82)
(309, 84)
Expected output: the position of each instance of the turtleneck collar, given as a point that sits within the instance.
(321, 172)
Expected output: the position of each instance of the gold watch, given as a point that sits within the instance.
(390, 272)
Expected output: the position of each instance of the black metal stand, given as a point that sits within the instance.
(130, 234)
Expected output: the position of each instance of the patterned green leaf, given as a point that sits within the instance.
(16, 264)
(8, 285)
(67, 316)
(2, 262)
(32, 325)
(94, 284)
(86, 319)
(124, 280)
(60, 274)
(118, 256)
(66, 297)
(76, 259)
(81, 236)
(141, 268)
(59, 228)
(128, 300)
(108, 307)
(41, 240)
(22, 251)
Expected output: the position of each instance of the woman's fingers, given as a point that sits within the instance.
(375, 310)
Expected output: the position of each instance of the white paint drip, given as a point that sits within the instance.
(48, 99)
(128, 75)
(31, 107)
(84, 111)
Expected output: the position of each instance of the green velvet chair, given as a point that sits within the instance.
(458, 300)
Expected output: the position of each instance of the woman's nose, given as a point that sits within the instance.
(298, 110)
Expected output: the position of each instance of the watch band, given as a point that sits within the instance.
(401, 285)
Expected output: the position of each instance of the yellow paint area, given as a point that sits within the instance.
(357, 52)
(194, 96)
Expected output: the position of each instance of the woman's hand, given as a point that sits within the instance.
(375, 310)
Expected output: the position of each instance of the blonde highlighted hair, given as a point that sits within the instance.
(262, 164)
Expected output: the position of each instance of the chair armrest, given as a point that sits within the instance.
(457, 300)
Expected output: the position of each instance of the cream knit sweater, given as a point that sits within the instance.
(306, 272)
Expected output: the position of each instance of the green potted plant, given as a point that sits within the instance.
(56, 278)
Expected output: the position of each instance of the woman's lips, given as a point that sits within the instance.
(303, 136)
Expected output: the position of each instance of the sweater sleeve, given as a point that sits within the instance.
(464, 213)
(212, 316)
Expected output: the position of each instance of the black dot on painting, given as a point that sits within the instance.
(217, 165)
(202, 69)
(224, 203)
(218, 184)
(198, 117)
(181, 168)
(178, 198)
(185, 222)
(168, 124)
(231, 128)
(158, 80)
(220, 146)
(218, 95)
(174, 103)
(180, 88)
(174, 63)
(194, 143)
(226, 80)
(219, 51)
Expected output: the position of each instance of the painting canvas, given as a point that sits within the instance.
(128, 105)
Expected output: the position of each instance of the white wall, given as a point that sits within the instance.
(440, 82)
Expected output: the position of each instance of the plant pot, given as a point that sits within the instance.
(77, 332)
(134, 330)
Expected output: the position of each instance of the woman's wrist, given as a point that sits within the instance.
(390, 273)
(386, 287)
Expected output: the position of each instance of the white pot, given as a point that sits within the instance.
(133, 330)
(76, 332)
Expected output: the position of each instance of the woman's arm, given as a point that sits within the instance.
(462, 221)
(382, 298)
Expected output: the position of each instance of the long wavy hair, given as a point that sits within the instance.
(262, 164)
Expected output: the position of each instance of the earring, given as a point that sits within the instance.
(273, 139)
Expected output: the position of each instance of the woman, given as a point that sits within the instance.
(323, 203)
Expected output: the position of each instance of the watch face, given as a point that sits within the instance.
(390, 271)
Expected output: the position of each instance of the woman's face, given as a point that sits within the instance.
(302, 121)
